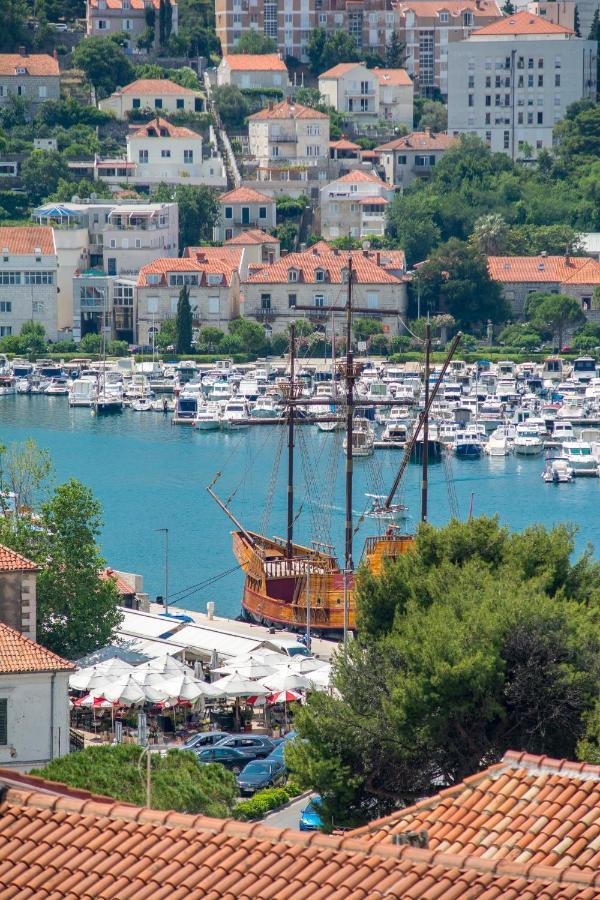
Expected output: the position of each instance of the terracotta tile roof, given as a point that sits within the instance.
(123, 587)
(340, 70)
(481, 9)
(286, 110)
(530, 810)
(37, 64)
(252, 236)
(420, 140)
(521, 23)
(20, 654)
(23, 241)
(558, 269)
(245, 195)
(132, 4)
(344, 144)
(365, 266)
(155, 86)
(255, 62)
(203, 260)
(162, 125)
(14, 562)
(374, 201)
(358, 175)
(65, 845)
(399, 77)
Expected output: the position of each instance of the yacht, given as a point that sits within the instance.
(563, 431)
(468, 443)
(500, 441)
(208, 417)
(584, 369)
(220, 391)
(83, 391)
(265, 408)
(395, 434)
(528, 441)
(7, 385)
(186, 410)
(558, 471)
(363, 437)
(236, 414)
(580, 457)
(139, 404)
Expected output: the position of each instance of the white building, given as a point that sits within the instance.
(28, 279)
(243, 209)
(512, 81)
(160, 151)
(253, 70)
(354, 206)
(289, 131)
(413, 156)
(101, 246)
(158, 94)
(369, 94)
(34, 702)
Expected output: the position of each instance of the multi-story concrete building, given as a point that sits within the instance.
(289, 131)
(128, 17)
(369, 94)
(34, 77)
(158, 94)
(212, 275)
(520, 276)
(413, 156)
(512, 81)
(28, 282)
(250, 70)
(354, 206)
(101, 247)
(313, 284)
(242, 210)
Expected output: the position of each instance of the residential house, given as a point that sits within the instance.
(313, 284)
(158, 94)
(18, 605)
(518, 77)
(253, 70)
(289, 131)
(520, 276)
(34, 702)
(413, 156)
(105, 18)
(455, 844)
(354, 206)
(259, 248)
(101, 247)
(243, 209)
(369, 94)
(35, 77)
(28, 279)
(212, 276)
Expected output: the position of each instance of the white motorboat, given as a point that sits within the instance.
(265, 408)
(141, 404)
(580, 457)
(58, 386)
(379, 510)
(500, 442)
(220, 390)
(396, 433)
(208, 417)
(558, 471)
(22, 386)
(186, 410)
(108, 402)
(528, 441)
(469, 442)
(163, 404)
(563, 431)
(236, 414)
(83, 391)
(363, 437)
(7, 385)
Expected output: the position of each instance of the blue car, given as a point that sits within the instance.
(310, 817)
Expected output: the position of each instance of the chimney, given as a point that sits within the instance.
(55, 53)
(335, 251)
(544, 253)
(23, 51)
(378, 257)
(315, 251)
(270, 104)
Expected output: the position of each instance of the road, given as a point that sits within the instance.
(288, 817)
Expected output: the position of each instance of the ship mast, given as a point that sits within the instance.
(291, 414)
(348, 564)
(425, 460)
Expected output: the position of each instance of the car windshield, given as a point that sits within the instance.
(258, 768)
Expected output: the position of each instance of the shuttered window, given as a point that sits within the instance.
(3, 722)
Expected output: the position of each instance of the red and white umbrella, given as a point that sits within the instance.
(94, 702)
(283, 697)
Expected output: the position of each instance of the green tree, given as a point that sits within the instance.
(178, 781)
(33, 335)
(24, 471)
(183, 322)
(521, 335)
(167, 336)
(433, 115)
(326, 50)
(364, 328)
(198, 211)
(90, 343)
(490, 234)
(395, 52)
(250, 334)
(104, 64)
(411, 225)
(555, 313)
(231, 104)
(211, 337)
(14, 26)
(41, 173)
(577, 22)
(254, 42)
(69, 112)
(165, 21)
(531, 240)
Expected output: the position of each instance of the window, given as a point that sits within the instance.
(319, 275)
(228, 234)
(136, 103)
(229, 212)
(178, 279)
(488, 138)
(262, 212)
(10, 278)
(319, 300)
(540, 81)
(530, 118)
(188, 156)
(530, 63)
(401, 160)
(468, 19)
(5, 331)
(38, 306)
(488, 81)
(506, 140)
(265, 301)
(471, 100)
(520, 82)
(245, 215)
(557, 62)
(143, 156)
(372, 300)
(488, 99)
(540, 118)
(540, 63)
(520, 118)
(213, 305)
(488, 118)
(165, 154)
(292, 300)
(443, 18)
(179, 103)
(530, 81)
(557, 81)
(153, 278)
(5, 306)
(158, 103)
(39, 277)
(42, 91)
(292, 274)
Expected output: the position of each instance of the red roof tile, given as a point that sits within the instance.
(131, 4)
(420, 140)
(162, 125)
(252, 236)
(14, 562)
(366, 268)
(287, 110)
(255, 62)
(340, 70)
(38, 64)
(559, 269)
(344, 144)
(20, 654)
(359, 176)
(123, 587)
(521, 23)
(398, 77)
(156, 86)
(481, 9)
(203, 260)
(245, 195)
(23, 241)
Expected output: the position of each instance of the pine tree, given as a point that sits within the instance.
(183, 322)
(576, 23)
(395, 52)
(508, 9)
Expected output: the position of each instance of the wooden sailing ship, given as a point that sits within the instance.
(305, 589)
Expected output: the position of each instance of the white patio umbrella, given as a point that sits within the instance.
(264, 655)
(302, 665)
(187, 688)
(86, 679)
(236, 685)
(127, 691)
(164, 664)
(320, 678)
(252, 669)
(286, 680)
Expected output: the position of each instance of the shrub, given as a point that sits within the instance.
(262, 803)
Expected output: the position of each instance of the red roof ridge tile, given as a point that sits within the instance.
(19, 654)
(11, 561)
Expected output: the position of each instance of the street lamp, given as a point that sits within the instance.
(165, 531)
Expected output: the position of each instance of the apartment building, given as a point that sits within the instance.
(212, 275)
(253, 70)
(314, 284)
(101, 247)
(289, 23)
(512, 81)
(28, 279)
(561, 12)
(243, 209)
(289, 131)
(369, 94)
(413, 156)
(35, 77)
(128, 17)
(259, 248)
(354, 206)
(157, 94)
(520, 276)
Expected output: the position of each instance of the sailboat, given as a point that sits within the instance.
(108, 400)
(290, 585)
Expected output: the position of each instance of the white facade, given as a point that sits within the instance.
(291, 132)
(160, 152)
(354, 206)
(155, 94)
(369, 94)
(511, 89)
(246, 70)
(28, 280)
(37, 718)
(243, 209)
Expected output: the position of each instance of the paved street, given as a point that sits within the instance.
(288, 817)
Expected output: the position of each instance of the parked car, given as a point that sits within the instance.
(278, 754)
(204, 739)
(227, 756)
(253, 746)
(310, 818)
(259, 774)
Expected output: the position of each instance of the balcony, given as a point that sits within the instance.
(317, 314)
(263, 313)
(283, 139)
(359, 93)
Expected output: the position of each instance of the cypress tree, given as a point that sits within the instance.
(183, 322)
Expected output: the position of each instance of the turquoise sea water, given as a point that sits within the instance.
(149, 475)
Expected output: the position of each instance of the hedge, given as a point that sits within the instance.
(265, 801)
